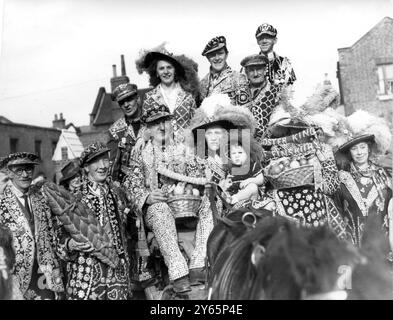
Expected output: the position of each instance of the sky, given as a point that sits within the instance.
(56, 54)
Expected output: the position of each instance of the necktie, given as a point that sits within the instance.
(27, 207)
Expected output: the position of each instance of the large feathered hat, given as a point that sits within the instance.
(186, 66)
(363, 126)
(217, 110)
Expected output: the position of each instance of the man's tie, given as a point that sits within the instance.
(27, 207)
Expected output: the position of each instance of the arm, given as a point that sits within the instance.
(134, 183)
(331, 181)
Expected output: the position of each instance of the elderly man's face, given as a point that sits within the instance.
(161, 130)
(256, 74)
(129, 106)
(215, 138)
(266, 43)
(21, 176)
(97, 170)
(218, 59)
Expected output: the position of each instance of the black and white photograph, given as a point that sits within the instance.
(216, 151)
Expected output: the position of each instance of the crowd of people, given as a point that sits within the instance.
(234, 130)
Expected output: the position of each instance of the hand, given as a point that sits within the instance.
(226, 183)
(78, 246)
(245, 183)
(386, 180)
(156, 196)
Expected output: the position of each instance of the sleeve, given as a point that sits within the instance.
(114, 155)
(331, 181)
(243, 92)
(62, 241)
(135, 183)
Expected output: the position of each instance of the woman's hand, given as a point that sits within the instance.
(78, 246)
(156, 196)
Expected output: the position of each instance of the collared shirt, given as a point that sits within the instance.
(19, 195)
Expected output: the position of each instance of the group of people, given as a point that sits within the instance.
(217, 133)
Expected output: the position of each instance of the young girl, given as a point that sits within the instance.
(246, 174)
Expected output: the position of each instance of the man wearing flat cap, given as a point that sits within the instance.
(279, 70)
(221, 78)
(264, 94)
(125, 132)
(88, 278)
(150, 190)
(23, 209)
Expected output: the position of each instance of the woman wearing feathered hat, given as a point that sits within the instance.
(175, 83)
(215, 123)
(366, 187)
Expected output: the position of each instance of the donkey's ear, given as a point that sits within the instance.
(374, 240)
(258, 253)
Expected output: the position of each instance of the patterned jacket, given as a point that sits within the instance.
(122, 139)
(143, 177)
(280, 70)
(43, 243)
(183, 112)
(89, 278)
(229, 82)
(263, 104)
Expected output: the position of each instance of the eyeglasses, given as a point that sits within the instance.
(19, 171)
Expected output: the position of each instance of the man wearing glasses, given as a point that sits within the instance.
(24, 211)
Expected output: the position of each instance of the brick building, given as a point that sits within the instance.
(365, 72)
(105, 110)
(19, 137)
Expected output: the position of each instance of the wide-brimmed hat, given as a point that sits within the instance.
(124, 91)
(215, 44)
(266, 28)
(19, 158)
(354, 141)
(92, 151)
(70, 170)
(155, 111)
(157, 56)
(254, 60)
(217, 110)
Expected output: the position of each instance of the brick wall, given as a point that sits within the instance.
(358, 70)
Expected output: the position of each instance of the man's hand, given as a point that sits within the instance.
(78, 246)
(156, 196)
(246, 182)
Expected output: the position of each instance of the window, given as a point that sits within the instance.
(385, 80)
(64, 153)
(13, 145)
(37, 147)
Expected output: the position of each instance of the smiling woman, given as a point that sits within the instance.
(174, 80)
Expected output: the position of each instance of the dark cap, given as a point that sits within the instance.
(266, 28)
(254, 60)
(214, 44)
(154, 112)
(124, 91)
(92, 151)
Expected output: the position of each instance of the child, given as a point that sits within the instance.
(246, 174)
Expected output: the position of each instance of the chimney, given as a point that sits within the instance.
(117, 80)
(123, 66)
(58, 123)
